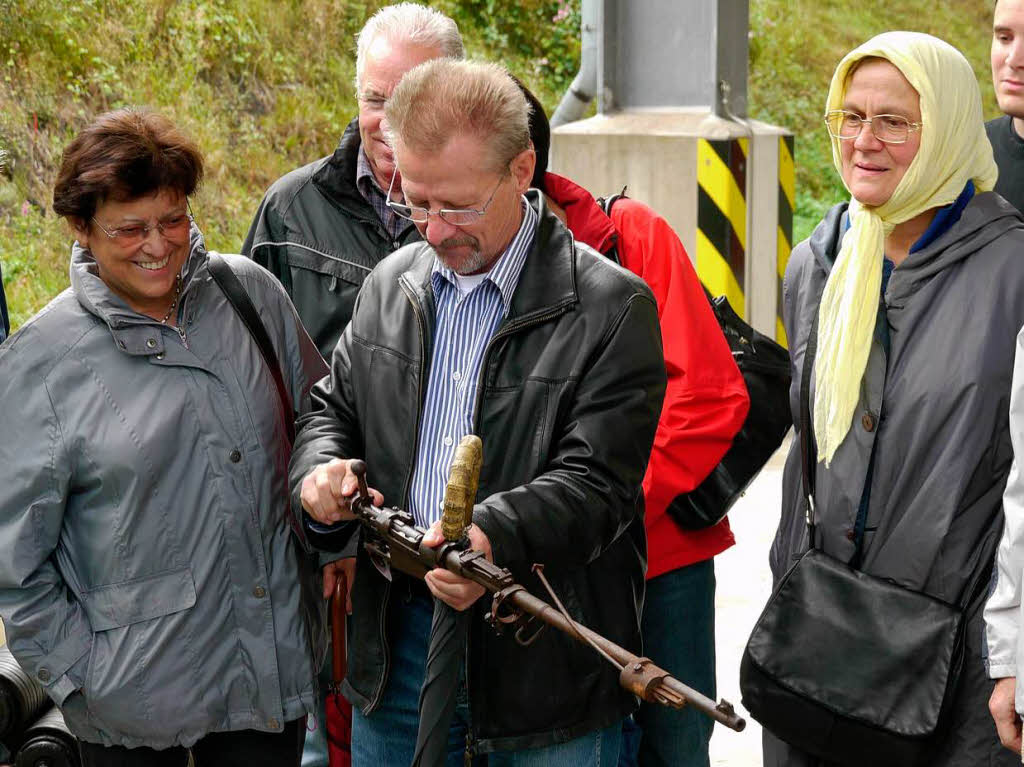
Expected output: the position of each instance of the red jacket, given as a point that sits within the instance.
(706, 400)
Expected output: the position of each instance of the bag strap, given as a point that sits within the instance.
(808, 447)
(239, 299)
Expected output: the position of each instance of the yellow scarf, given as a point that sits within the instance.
(954, 149)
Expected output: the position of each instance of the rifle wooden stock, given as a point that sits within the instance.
(396, 542)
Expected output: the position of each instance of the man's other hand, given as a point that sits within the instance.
(328, 490)
(1001, 706)
(454, 590)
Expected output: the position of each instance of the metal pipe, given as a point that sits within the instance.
(584, 86)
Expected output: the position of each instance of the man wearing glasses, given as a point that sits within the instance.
(321, 228)
(499, 324)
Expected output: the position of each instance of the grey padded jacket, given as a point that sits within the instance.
(149, 577)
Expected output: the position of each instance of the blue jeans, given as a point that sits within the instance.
(387, 738)
(678, 627)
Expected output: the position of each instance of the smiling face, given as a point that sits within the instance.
(144, 274)
(872, 169)
(461, 175)
(385, 64)
(1008, 57)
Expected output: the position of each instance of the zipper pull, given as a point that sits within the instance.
(467, 757)
(181, 332)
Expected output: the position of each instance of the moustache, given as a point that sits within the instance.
(458, 242)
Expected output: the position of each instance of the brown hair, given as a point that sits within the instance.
(124, 155)
(443, 98)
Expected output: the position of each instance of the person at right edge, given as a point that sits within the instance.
(1007, 131)
(918, 285)
(705, 404)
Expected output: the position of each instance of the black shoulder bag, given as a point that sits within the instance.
(764, 366)
(848, 667)
(236, 295)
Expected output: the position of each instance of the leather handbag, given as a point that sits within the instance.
(764, 366)
(845, 666)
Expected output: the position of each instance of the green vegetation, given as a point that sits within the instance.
(266, 85)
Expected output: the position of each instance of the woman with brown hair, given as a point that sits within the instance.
(150, 578)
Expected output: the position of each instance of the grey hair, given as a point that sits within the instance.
(410, 23)
(442, 98)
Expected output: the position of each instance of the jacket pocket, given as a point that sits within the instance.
(128, 602)
(140, 676)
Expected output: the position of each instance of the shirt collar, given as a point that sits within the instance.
(505, 272)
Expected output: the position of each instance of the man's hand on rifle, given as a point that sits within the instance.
(452, 589)
(327, 492)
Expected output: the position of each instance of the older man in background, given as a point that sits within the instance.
(323, 227)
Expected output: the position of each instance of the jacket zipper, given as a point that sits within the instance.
(379, 692)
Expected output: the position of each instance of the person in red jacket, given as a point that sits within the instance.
(705, 405)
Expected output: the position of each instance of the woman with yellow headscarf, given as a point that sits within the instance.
(915, 291)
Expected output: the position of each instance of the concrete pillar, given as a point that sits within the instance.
(668, 131)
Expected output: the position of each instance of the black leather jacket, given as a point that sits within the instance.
(567, 405)
(320, 238)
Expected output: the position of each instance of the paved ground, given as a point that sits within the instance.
(744, 584)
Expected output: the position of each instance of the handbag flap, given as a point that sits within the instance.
(859, 645)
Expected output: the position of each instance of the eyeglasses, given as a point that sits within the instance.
(889, 129)
(453, 216)
(173, 228)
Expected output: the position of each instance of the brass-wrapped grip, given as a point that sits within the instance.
(459, 495)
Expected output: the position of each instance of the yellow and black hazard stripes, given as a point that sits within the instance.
(787, 199)
(722, 218)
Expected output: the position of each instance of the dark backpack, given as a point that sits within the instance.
(764, 366)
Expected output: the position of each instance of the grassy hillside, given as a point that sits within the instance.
(266, 85)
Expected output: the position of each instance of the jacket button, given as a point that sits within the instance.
(259, 592)
(235, 456)
(868, 422)
(160, 356)
(151, 343)
(850, 535)
(44, 675)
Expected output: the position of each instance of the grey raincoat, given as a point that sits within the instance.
(148, 576)
(935, 413)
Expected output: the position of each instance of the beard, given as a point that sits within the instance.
(474, 262)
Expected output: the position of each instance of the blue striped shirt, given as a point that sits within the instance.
(465, 323)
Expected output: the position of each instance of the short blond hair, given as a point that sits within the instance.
(442, 98)
(410, 24)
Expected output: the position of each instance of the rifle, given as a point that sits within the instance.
(396, 541)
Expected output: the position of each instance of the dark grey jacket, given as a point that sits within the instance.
(148, 576)
(567, 404)
(320, 238)
(937, 409)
